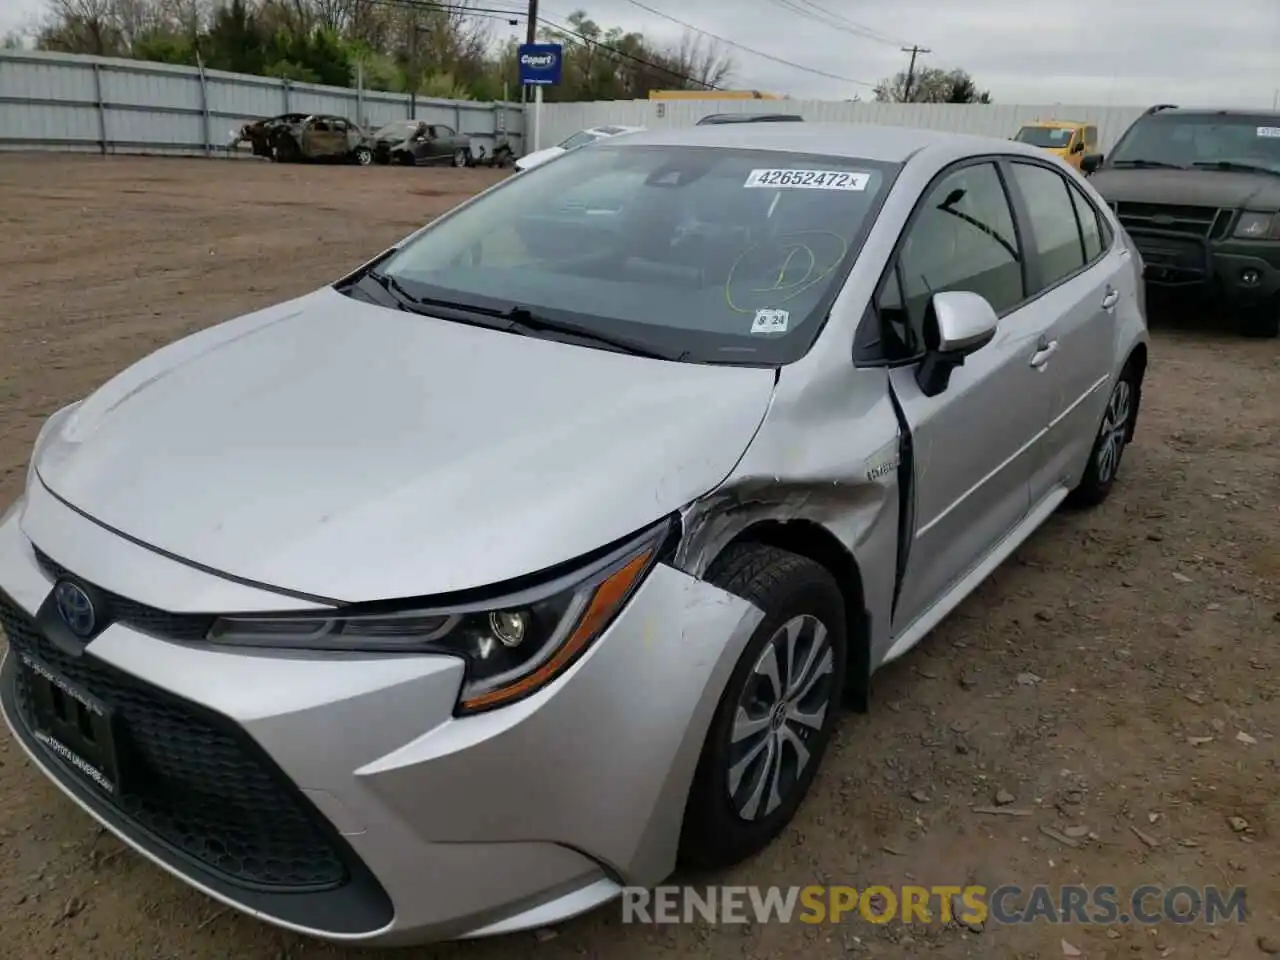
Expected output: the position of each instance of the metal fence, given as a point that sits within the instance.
(105, 105)
(559, 120)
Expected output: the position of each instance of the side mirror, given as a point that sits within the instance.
(1090, 162)
(1078, 148)
(959, 323)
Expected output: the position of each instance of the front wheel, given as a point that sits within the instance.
(1113, 437)
(1261, 322)
(460, 157)
(363, 156)
(778, 711)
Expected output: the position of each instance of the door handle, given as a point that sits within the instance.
(1043, 352)
(1111, 299)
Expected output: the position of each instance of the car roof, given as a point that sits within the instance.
(1253, 114)
(855, 141)
(1058, 124)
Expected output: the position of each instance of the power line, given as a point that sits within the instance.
(514, 15)
(743, 47)
(818, 14)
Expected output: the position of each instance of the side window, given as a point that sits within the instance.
(1090, 228)
(320, 126)
(340, 126)
(443, 131)
(898, 339)
(1091, 138)
(963, 238)
(1058, 246)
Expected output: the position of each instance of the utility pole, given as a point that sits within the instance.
(531, 31)
(914, 50)
(531, 36)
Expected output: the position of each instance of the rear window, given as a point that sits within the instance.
(725, 255)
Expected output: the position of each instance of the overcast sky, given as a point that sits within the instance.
(1096, 52)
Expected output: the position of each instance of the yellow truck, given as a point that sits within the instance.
(1071, 140)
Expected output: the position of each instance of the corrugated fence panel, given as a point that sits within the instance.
(66, 102)
(560, 120)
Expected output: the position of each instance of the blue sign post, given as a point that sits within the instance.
(541, 65)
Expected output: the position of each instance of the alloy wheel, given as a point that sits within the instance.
(1115, 430)
(782, 707)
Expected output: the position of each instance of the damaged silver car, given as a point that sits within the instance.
(539, 554)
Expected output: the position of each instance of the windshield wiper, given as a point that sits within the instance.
(515, 319)
(430, 307)
(524, 320)
(1147, 163)
(1235, 166)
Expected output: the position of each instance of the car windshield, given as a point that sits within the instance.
(714, 255)
(1053, 138)
(579, 139)
(399, 129)
(1185, 140)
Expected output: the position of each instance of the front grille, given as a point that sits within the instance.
(1171, 218)
(192, 781)
(157, 623)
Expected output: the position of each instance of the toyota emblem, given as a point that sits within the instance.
(75, 608)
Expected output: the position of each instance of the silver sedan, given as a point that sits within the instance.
(538, 554)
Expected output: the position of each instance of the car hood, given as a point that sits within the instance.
(1201, 188)
(539, 156)
(352, 452)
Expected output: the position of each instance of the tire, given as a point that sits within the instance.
(721, 825)
(284, 150)
(1114, 434)
(362, 156)
(1262, 322)
(461, 156)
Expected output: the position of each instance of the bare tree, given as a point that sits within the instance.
(700, 60)
(83, 26)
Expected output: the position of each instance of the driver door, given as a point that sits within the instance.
(974, 445)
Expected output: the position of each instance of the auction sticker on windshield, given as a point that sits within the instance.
(771, 321)
(1269, 132)
(808, 179)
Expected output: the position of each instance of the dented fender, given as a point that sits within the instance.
(824, 464)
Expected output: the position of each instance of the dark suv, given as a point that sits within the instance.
(1199, 193)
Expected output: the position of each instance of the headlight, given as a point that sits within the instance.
(512, 647)
(1258, 226)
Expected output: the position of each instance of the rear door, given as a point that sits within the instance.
(319, 139)
(448, 139)
(974, 446)
(1080, 272)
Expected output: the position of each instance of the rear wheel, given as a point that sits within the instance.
(1113, 437)
(778, 711)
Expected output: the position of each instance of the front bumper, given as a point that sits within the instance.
(390, 820)
(1242, 273)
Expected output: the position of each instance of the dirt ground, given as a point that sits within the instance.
(1119, 674)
